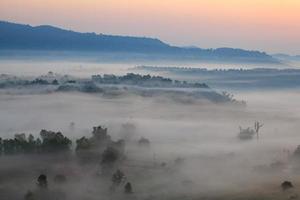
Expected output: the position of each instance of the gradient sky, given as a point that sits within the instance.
(267, 25)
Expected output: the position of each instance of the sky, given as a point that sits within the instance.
(266, 25)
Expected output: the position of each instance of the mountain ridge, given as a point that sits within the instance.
(14, 36)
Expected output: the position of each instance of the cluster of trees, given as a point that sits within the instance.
(20, 144)
(128, 79)
(54, 141)
(49, 79)
(22, 82)
(86, 86)
(106, 85)
(49, 142)
(100, 146)
(144, 80)
(39, 81)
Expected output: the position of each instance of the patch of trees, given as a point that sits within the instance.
(87, 87)
(100, 146)
(100, 143)
(54, 141)
(112, 86)
(21, 82)
(286, 185)
(145, 81)
(49, 142)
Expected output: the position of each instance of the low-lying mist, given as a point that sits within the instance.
(194, 151)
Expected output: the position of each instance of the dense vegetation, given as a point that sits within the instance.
(128, 79)
(112, 85)
(56, 142)
(145, 81)
(49, 142)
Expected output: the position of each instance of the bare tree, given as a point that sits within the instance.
(257, 126)
(42, 181)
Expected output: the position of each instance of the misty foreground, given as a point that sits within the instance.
(165, 149)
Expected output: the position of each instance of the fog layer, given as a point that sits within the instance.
(216, 162)
(194, 151)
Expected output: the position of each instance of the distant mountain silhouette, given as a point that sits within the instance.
(287, 57)
(25, 37)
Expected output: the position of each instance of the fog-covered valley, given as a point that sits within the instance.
(168, 144)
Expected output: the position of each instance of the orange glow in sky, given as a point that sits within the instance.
(267, 25)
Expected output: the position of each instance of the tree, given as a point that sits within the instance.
(257, 126)
(55, 82)
(20, 137)
(144, 142)
(286, 185)
(54, 141)
(9, 146)
(42, 181)
(100, 134)
(128, 188)
(246, 134)
(83, 144)
(110, 156)
(31, 138)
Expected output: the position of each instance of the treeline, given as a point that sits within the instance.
(216, 71)
(128, 79)
(145, 80)
(48, 142)
(22, 82)
(98, 147)
(113, 86)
